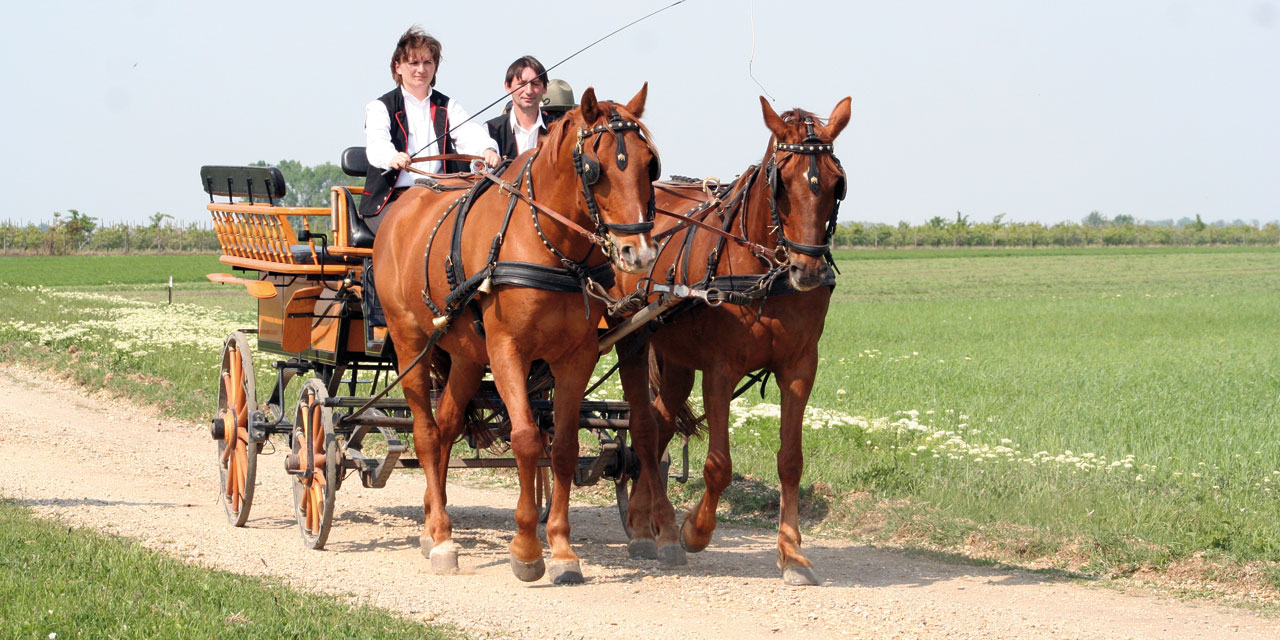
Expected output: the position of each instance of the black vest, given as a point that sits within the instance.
(501, 132)
(378, 183)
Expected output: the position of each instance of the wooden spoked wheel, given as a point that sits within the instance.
(237, 455)
(315, 457)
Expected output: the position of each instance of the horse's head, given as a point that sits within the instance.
(616, 165)
(806, 184)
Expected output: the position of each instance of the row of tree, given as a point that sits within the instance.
(1094, 230)
(76, 232)
(308, 186)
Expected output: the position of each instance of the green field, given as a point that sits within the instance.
(1103, 410)
(148, 269)
(61, 583)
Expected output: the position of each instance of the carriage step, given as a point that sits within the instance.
(588, 406)
(349, 402)
(374, 473)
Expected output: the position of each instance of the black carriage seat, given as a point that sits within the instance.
(253, 183)
(356, 164)
(302, 255)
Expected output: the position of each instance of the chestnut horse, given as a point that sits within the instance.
(775, 284)
(519, 275)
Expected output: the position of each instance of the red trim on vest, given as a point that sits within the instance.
(398, 171)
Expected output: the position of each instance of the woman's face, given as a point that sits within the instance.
(416, 71)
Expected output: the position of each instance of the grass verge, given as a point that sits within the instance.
(60, 582)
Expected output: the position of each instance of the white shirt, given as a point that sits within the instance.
(470, 138)
(526, 139)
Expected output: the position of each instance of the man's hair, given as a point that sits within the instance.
(521, 64)
(415, 39)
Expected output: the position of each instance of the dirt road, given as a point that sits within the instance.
(105, 464)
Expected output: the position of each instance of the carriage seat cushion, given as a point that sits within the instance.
(355, 162)
(358, 233)
(302, 255)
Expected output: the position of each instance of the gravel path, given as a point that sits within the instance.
(101, 463)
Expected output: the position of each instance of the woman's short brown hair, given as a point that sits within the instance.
(415, 39)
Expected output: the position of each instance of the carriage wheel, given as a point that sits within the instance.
(237, 455)
(315, 454)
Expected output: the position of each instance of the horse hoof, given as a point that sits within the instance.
(686, 544)
(646, 549)
(424, 545)
(672, 555)
(800, 577)
(565, 572)
(528, 571)
(444, 557)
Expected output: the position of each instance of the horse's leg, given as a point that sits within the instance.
(464, 379)
(437, 531)
(633, 370)
(795, 382)
(717, 388)
(572, 374)
(674, 386)
(511, 376)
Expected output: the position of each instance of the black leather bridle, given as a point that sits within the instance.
(588, 170)
(811, 146)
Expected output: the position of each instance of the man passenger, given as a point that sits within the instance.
(518, 131)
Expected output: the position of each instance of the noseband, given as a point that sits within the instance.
(812, 146)
(588, 169)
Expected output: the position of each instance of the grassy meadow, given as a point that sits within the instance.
(64, 583)
(1102, 410)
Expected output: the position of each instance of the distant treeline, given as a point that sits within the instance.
(308, 186)
(1093, 231)
(75, 232)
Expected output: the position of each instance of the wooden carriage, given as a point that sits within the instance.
(305, 266)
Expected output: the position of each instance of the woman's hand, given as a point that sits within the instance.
(400, 161)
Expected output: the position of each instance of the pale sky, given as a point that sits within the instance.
(1043, 111)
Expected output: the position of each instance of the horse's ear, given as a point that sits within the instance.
(636, 105)
(590, 108)
(771, 119)
(839, 118)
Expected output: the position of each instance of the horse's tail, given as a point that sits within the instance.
(476, 430)
(687, 423)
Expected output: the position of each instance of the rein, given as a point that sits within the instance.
(511, 190)
(687, 221)
(514, 191)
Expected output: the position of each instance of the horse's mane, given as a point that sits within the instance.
(561, 129)
(795, 117)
